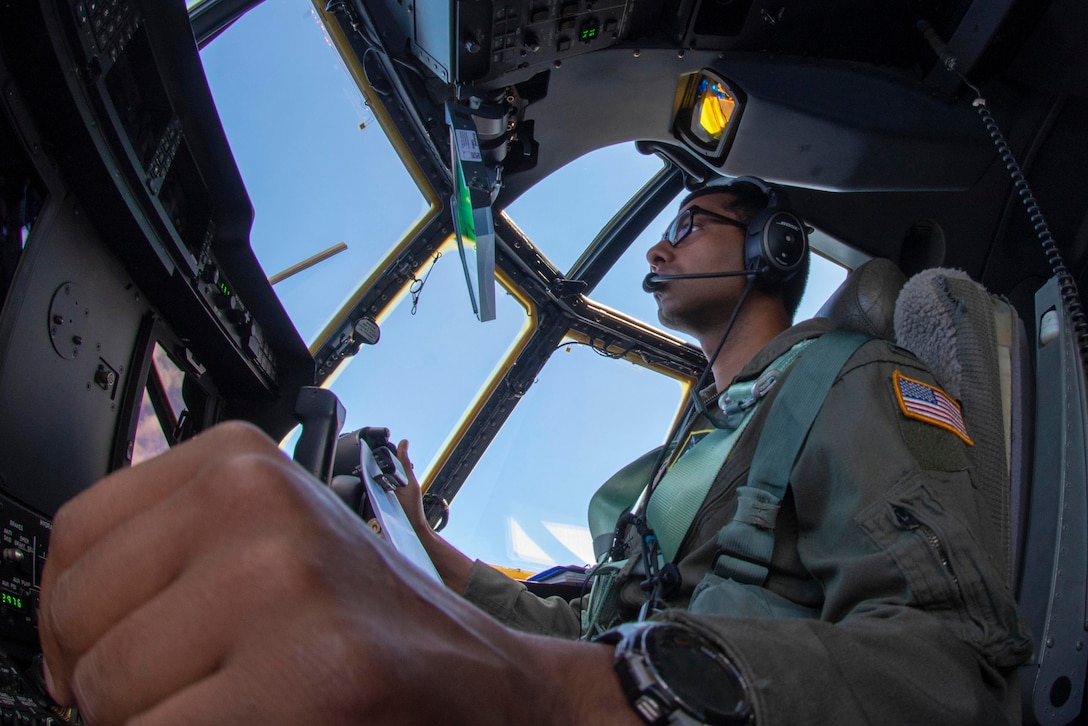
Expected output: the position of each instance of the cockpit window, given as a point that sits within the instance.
(589, 191)
(432, 360)
(161, 409)
(150, 435)
(318, 168)
(21, 200)
(524, 505)
(564, 212)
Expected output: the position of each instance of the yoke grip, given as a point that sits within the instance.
(322, 416)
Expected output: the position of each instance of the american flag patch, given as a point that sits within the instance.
(924, 402)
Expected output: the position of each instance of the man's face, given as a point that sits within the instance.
(710, 245)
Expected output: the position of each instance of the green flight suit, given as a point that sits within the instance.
(881, 605)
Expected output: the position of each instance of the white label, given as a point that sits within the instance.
(468, 147)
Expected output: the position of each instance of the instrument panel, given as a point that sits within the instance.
(132, 300)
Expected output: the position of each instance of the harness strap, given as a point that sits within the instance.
(679, 495)
(616, 496)
(745, 544)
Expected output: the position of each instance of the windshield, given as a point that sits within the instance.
(320, 170)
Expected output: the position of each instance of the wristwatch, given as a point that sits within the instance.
(671, 674)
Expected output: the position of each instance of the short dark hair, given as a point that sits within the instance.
(748, 201)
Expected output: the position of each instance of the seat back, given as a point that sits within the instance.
(974, 344)
(865, 301)
(1029, 459)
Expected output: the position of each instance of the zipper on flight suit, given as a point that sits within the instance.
(907, 519)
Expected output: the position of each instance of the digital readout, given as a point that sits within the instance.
(13, 601)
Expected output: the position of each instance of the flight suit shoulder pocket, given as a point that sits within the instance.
(945, 570)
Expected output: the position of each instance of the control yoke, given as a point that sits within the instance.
(363, 476)
(322, 416)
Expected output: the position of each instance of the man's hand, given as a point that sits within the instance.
(219, 583)
(410, 496)
(454, 567)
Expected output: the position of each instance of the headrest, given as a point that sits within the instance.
(865, 301)
(933, 317)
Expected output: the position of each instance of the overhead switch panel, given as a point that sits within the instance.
(485, 42)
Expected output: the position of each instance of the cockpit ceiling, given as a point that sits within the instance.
(845, 101)
(497, 43)
(840, 95)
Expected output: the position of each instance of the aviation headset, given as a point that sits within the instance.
(776, 242)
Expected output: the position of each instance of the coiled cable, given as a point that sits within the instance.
(1067, 286)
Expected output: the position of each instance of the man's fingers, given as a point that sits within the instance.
(97, 575)
(247, 603)
(171, 642)
(142, 555)
(411, 496)
(306, 693)
(127, 491)
(122, 570)
(405, 459)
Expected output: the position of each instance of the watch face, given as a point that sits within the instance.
(698, 677)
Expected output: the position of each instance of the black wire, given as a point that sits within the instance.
(416, 288)
(340, 6)
(678, 426)
(1067, 286)
(604, 352)
(628, 518)
(698, 407)
(337, 6)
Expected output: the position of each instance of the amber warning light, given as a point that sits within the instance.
(708, 110)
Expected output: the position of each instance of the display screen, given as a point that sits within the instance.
(14, 602)
(139, 97)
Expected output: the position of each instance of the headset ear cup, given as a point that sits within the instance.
(775, 246)
(753, 247)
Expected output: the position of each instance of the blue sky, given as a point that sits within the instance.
(292, 115)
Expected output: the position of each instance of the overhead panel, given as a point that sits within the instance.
(473, 42)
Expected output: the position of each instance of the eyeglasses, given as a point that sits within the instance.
(684, 223)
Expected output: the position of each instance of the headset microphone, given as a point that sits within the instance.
(652, 282)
